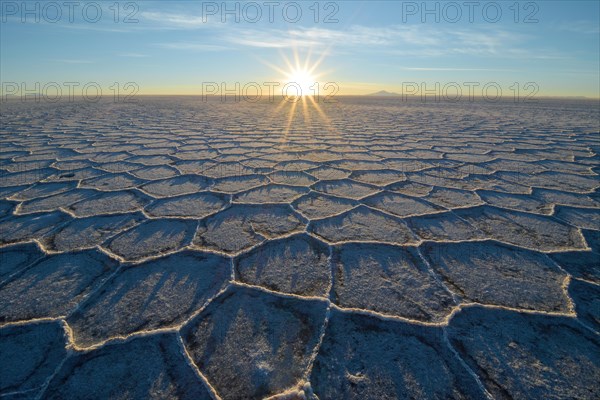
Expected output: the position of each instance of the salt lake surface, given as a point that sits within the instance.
(365, 249)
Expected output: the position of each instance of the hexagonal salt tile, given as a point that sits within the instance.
(242, 226)
(251, 344)
(492, 273)
(176, 186)
(53, 286)
(270, 193)
(364, 357)
(363, 224)
(31, 226)
(196, 205)
(345, 188)
(520, 355)
(161, 293)
(16, 257)
(315, 205)
(29, 355)
(297, 264)
(526, 230)
(152, 238)
(400, 205)
(85, 233)
(150, 367)
(110, 203)
(390, 280)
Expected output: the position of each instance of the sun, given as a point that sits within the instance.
(299, 76)
(300, 82)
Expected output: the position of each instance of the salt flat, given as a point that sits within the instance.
(364, 249)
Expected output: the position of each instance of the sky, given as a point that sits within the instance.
(542, 48)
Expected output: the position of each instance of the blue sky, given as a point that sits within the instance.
(175, 46)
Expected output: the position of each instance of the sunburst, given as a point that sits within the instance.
(301, 83)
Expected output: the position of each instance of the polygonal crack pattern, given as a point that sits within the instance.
(366, 256)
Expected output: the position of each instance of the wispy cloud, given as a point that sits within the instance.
(581, 26)
(355, 35)
(191, 46)
(178, 21)
(456, 69)
(73, 61)
(133, 55)
(397, 40)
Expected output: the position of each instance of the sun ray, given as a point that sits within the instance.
(322, 115)
(289, 121)
(302, 71)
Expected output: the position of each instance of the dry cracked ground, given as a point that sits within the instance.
(375, 249)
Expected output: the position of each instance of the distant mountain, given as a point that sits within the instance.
(384, 93)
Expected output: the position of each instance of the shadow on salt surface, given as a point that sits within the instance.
(175, 186)
(196, 205)
(532, 231)
(43, 190)
(315, 205)
(585, 218)
(445, 226)
(16, 257)
(53, 286)
(346, 188)
(587, 302)
(153, 237)
(592, 238)
(161, 293)
(521, 355)
(237, 184)
(242, 226)
(110, 203)
(265, 341)
(297, 264)
(148, 367)
(7, 208)
(388, 279)
(85, 233)
(271, 193)
(292, 178)
(55, 201)
(25, 177)
(378, 177)
(497, 274)
(364, 357)
(400, 205)
(364, 224)
(517, 202)
(31, 226)
(29, 355)
(112, 182)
